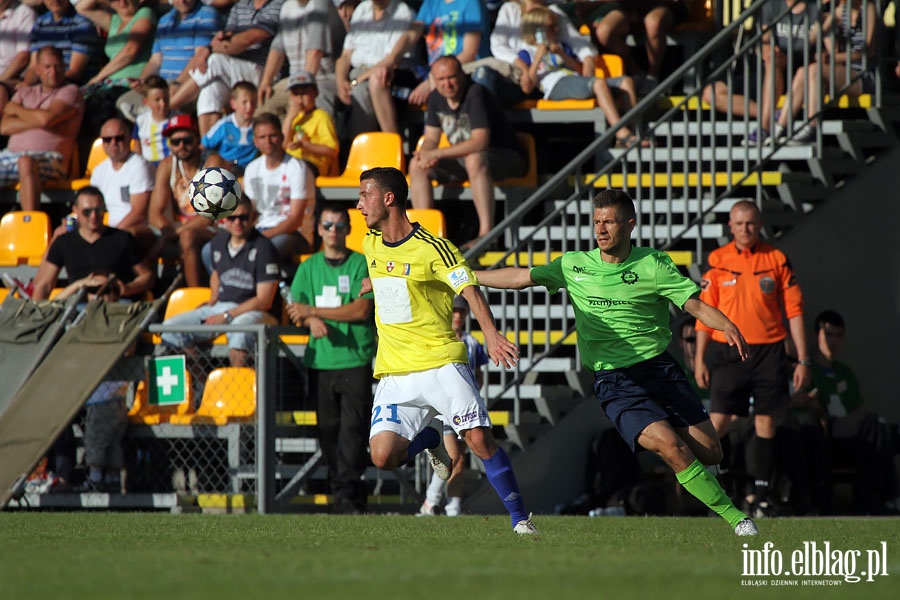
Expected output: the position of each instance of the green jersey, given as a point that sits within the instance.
(838, 388)
(319, 283)
(621, 309)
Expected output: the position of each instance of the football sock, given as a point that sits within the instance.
(427, 438)
(500, 474)
(765, 463)
(435, 490)
(454, 506)
(703, 486)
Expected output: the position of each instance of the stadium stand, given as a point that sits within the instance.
(24, 236)
(228, 397)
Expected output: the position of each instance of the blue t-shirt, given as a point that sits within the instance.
(447, 22)
(72, 33)
(232, 142)
(177, 39)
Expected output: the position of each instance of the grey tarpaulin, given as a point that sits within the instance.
(59, 386)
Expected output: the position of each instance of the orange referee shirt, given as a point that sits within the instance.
(752, 287)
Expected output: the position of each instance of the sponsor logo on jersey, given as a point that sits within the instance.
(629, 277)
(606, 302)
(389, 266)
(458, 277)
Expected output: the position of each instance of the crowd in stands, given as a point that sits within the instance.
(273, 90)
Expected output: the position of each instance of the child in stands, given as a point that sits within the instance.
(231, 138)
(311, 135)
(148, 126)
(553, 67)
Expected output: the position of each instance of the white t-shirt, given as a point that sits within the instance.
(372, 40)
(134, 177)
(273, 189)
(506, 37)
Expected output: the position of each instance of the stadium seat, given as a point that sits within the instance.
(183, 300)
(358, 230)
(608, 65)
(3, 293)
(229, 396)
(24, 236)
(368, 150)
(96, 156)
(431, 219)
(529, 179)
(144, 413)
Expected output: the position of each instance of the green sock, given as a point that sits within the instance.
(697, 480)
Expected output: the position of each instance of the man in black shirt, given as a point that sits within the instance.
(483, 145)
(93, 252)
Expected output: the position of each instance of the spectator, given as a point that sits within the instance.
(483, 146)
(853, 63)
(457, 28)
(372, 61)
(345, 10)
(656, 18)
(72, 33)
(244, 281)
(311, 136)
(171, 212)
(230, 139)
(283, 190)
(544, 62)
(16, 23)
(637, 382)
(339, 355)
(93, 253)
(150, 125)
(455, 446)
(237, 53)
(126, 180)
(506, 41)
(783, 44)
(836, 402)
(752, 282)
(310, 38)
(42, 122)
(182, 39)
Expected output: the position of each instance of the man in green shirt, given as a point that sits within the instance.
(620, 294)
(339, 355)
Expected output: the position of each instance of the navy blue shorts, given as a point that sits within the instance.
(650, 391)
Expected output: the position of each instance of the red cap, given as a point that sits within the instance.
(181, 122)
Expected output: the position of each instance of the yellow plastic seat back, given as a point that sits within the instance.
(368, 150)
(229, 396)
(144, 413)
(183, 300)
(358, 230)
(431, 219)
(24, 236)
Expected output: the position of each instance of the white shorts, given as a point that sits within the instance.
(222, 72)
(405, 404)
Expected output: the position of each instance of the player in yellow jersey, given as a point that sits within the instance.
(423, 368)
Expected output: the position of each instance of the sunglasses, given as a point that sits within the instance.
(113, 138)
(92, 211)
(188, 139)
(328, 225)
(241, 218)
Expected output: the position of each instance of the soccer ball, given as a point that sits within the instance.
(215, 193)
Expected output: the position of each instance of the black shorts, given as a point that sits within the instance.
(733, 382)
(650, 391)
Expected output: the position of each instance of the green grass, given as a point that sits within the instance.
(132, 556)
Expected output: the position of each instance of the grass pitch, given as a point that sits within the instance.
(138, 555)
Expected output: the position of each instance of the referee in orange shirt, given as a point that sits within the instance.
(752, 282)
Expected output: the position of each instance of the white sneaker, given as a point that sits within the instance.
(746, 528)
(427, 509)
(453, 508)
(440, 461)
(526, 527)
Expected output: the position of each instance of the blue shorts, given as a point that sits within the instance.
(650, 391)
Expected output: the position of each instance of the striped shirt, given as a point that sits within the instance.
(177, 38)
(72, 33)
(244, 16)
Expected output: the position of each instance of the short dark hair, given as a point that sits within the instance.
(267, 118)
(389, 179)
(88, 190)
(55, 51)
(830, 317)
(335, 207)
(155, 82)
(618, 199)
(243, 86)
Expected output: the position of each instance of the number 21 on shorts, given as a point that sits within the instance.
(391, 417)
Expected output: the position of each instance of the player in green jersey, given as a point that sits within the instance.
(620, 294)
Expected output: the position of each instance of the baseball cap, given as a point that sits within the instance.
(300, 79)
(459, 303)
(179, 122)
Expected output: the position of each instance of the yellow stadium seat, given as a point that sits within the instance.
(3, 292)
(431, 219)
(96, 156)
(609, 65)
(528, 179)
(358, 230)
(144, 413)
(368, 150)
(229, 396)
(183, 300)
(24, 236)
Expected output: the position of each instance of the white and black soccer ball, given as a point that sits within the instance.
(215, 192)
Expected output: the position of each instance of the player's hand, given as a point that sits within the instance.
(501, 350)
(317, 327)
(365, 288)
(734, 338)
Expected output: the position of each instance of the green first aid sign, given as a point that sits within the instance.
(167, 381)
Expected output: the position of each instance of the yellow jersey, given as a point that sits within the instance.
(412, 280)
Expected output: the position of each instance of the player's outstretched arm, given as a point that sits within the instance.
(716, 319)
(499, 349)
(507, 278)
